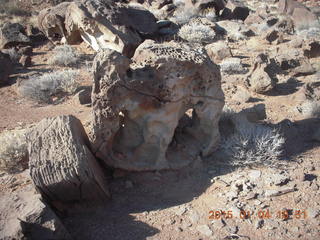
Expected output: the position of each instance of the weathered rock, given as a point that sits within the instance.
(61, 164)
(312, 49)
(24, 215)
(263, 75)
(302, 17)
(84, 95)
(6, 68)
(105, 24)
(241, 95)
(218, 51)
(205, 230)
(235, 10)
(51, 22)
(273, 36)
(13, 151)
(254, 18)
(260, 81)
(139, 109)
(13, 34)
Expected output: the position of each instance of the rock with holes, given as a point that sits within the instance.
(159, 110)
(61, 163)
(13, 34)
(105, 24)
(51, 22)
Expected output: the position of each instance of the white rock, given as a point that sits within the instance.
(254, 174)
(205, 230)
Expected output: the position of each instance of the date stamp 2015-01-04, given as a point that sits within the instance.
(260, 214)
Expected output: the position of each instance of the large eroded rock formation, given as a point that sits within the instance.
(139, 107)
(106, 24)
(61, 164)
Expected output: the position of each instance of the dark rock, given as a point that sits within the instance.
(25, 61)
(235, 10)
(25, 50)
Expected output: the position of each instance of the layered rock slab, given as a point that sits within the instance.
(61, 164)
(159, 110)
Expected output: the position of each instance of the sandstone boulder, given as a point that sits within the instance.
(61, 164)
(6, 68)
(302, 17)
(13, 34)
(105, 24)
(139, 108)
(218, 51)
(262, 77)
(51, 22)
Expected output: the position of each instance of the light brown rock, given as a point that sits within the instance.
(218, 51)
(139, 120)
(51, 21)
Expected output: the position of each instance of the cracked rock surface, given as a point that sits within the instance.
(159, 110)
(61, 164)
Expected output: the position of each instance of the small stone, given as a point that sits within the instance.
(275, 193)
(231, 195)
(181, 210)
(313, 213)
(251, 195)
(241, 95)
(194, 217)
(256, 202)
(205, 230)
(254, 174)
(218, 224)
